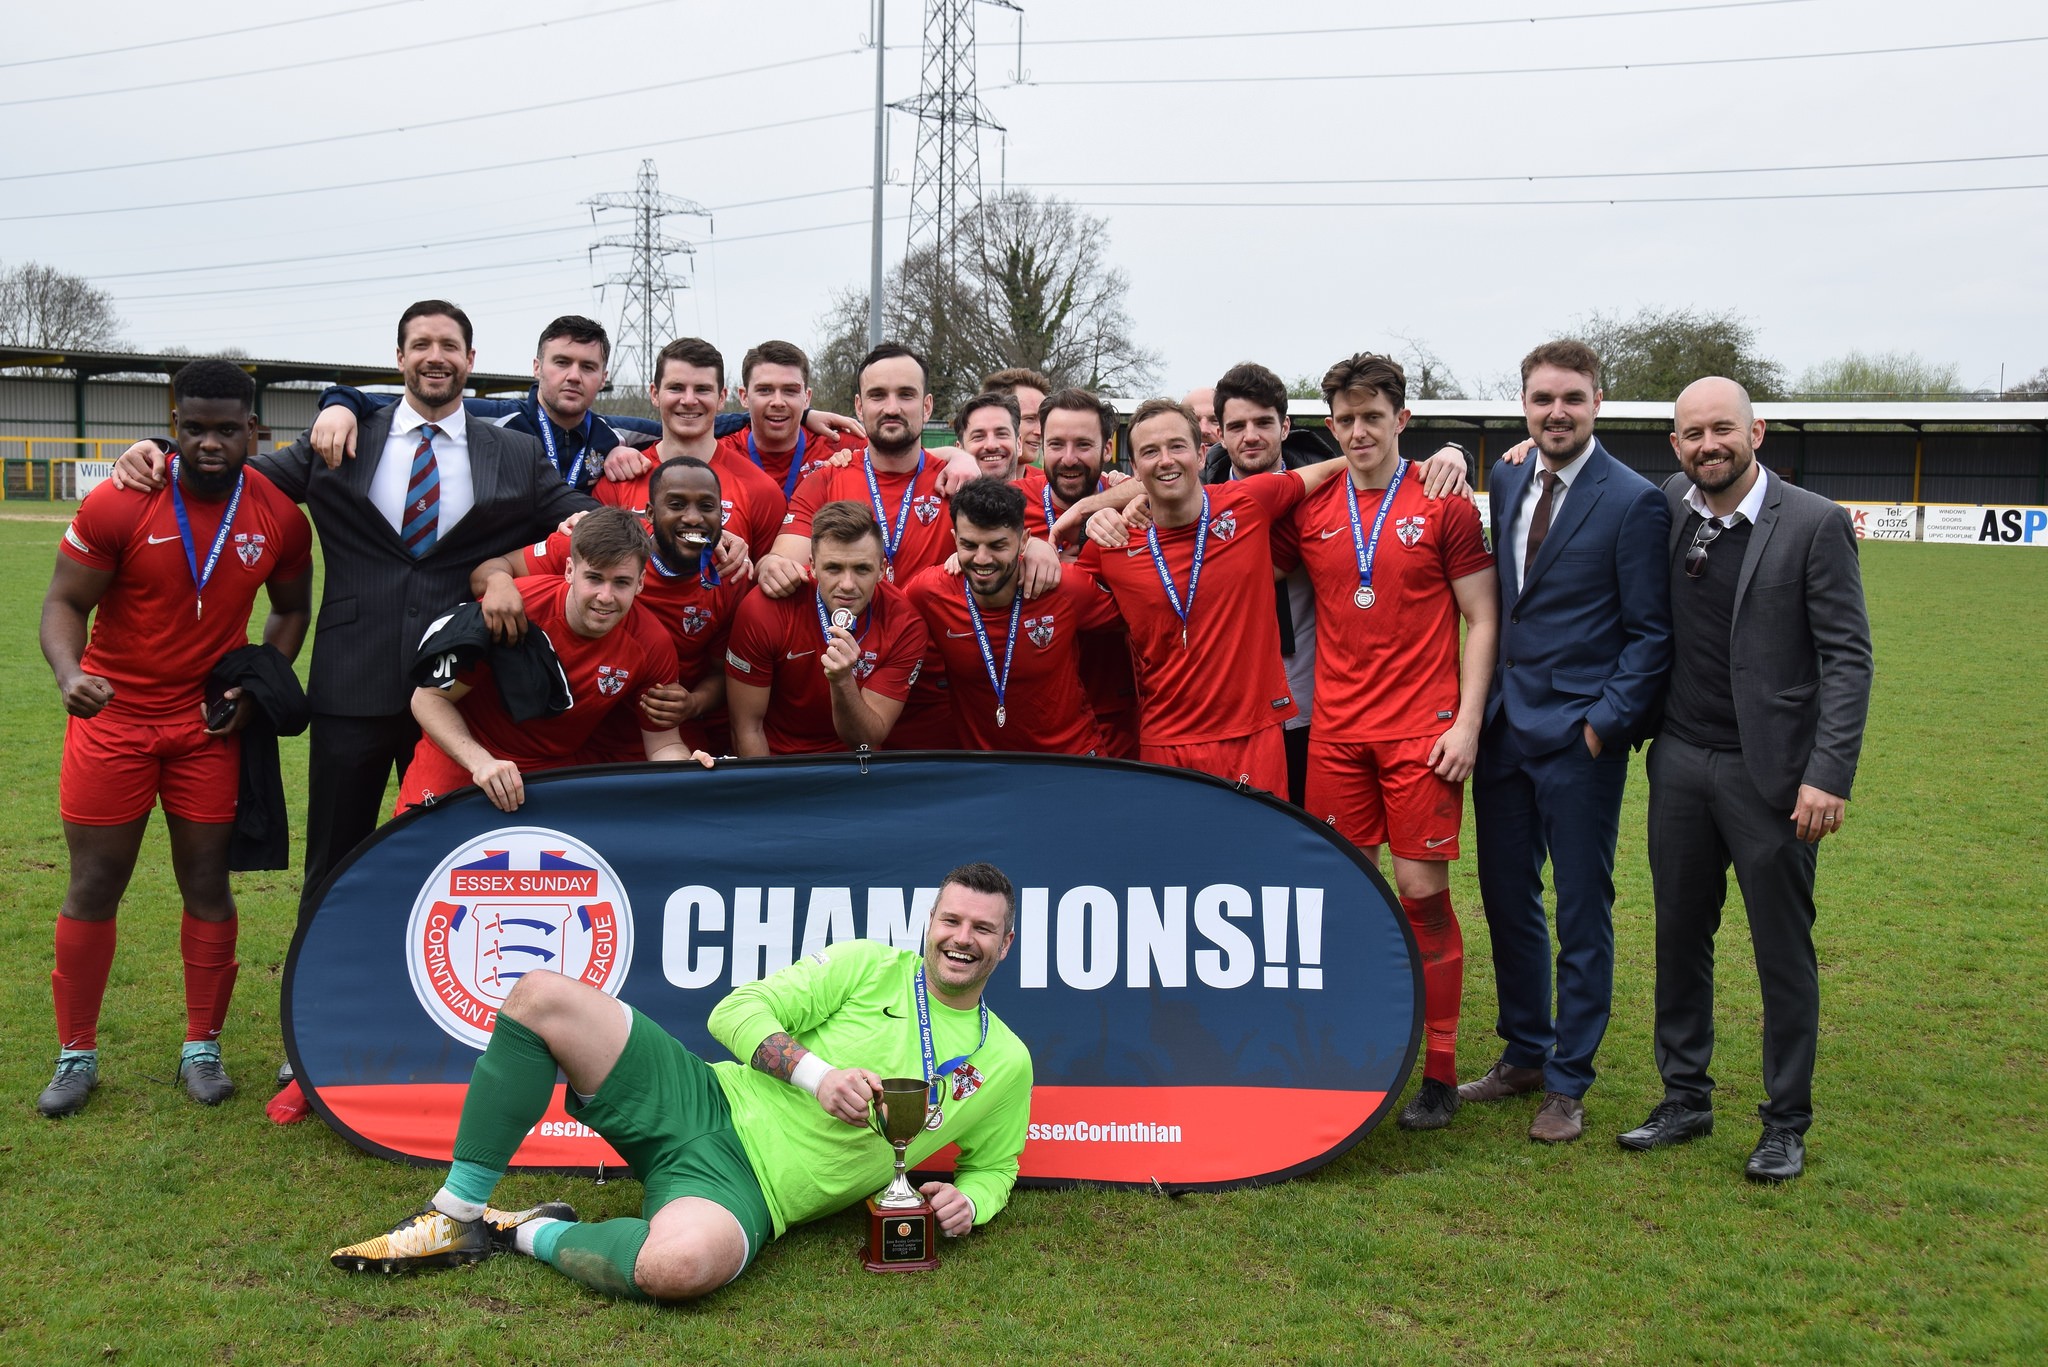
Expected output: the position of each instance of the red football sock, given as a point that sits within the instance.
(1443, 981)
(210, 968)
(85, 954)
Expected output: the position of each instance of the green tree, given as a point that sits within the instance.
(1889, 375)
(1655, 353)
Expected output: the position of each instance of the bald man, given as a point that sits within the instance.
(1203, 401)
(1769, 688)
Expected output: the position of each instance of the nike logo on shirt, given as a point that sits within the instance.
(798, 654)
(1332, 532)
(958, 635)
(894, 1015)
(159, 540)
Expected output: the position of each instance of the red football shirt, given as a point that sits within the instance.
(1390, 671)
(775, 645)
(810, 454)
(753, 502)
(150, 637)
(605, 673)
(1228, 680)
(694, 608)
(1046, 709)
(927, 526)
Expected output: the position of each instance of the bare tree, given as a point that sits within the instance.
(1893, 375)
(1033, 287)
(42, 306)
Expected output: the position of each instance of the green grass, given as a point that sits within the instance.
(149, 1230)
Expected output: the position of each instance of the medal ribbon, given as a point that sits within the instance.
(1368, 551)
(1051, 516)
(890, 542)
(1194, 575)
(220, 538)
(924, 1038)
(988, 656)
(796, 461)
(574, 474)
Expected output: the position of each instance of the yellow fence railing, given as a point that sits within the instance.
(61, 468)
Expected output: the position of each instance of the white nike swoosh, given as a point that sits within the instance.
(1327, 535)
(159, 540)
(1432, 844)
(798, 654)
(958, 635)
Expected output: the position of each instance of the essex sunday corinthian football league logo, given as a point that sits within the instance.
(504, 904)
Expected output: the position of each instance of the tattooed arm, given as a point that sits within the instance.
(843, 1092)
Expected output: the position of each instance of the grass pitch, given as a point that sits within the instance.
(148, 1229)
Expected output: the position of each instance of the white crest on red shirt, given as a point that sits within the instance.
(865, 665)
(926, 506)
(612, 680)
(1225, 525)
(1409, 529)
(249, 545)
(695, 620)
(1040, 630)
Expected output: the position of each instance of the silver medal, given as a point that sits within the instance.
(934, 1118)
(1364, 597)
(843, 618)
(1002, 715)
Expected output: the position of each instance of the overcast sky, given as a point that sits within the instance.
(1172, 121)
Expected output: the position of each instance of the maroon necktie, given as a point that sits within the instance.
(1539, 521)
(422, 519)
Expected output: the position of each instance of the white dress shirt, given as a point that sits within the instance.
(1526, 509)
(1751, 507)
(451, 462)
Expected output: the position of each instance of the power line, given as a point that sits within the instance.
(1296, 78)
(518, 164)
(1405, 28)
(1528, 203)
(421, 127)
(378, 52)
(1526, 177)
(204, 37)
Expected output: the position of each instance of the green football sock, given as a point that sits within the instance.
(599, 1255)
(508, 1093)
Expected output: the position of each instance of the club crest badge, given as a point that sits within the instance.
(249, 546)
(696, 621)
(927, 507)
(1409, 529)
(1225, 525)
(611, 680)
(967, 1080)
(1040, 630)
(866, 665)
(504, 904)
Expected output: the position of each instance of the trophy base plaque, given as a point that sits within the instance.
(900, 1239)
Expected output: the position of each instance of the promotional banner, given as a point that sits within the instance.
(1985, 526)
(1216, 990)
(1884, 521)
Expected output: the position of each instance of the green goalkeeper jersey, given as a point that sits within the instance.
(853, 1004)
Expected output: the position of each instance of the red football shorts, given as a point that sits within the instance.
(1119, 732)
(1259, 759)
(925, 726)
(1383, 792)
(115, 770)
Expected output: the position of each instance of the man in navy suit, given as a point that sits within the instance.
(1585, 622)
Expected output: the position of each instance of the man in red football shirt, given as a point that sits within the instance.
(689, 386)
(173, 575)
(829, 669)
(986, 426)
(900, 482)
(1028, 388)
(1397, 715)
(684, 592)
(1014, 665)
(1196, 590)
(1075, 429)
(775, 385)
(611, 656)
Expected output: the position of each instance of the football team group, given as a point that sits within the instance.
(516, 587)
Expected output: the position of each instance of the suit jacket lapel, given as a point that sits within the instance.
(1514, 483)
(361, 473)
(1579, 499)
(1766, 523)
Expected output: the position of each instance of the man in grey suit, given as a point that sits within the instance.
(400, 531)
(1770, 685)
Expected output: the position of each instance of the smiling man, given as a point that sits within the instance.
(732, 1156)
(986, 426)
(610, 656)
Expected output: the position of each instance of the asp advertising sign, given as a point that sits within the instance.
(1986, 526)
(1215, 990)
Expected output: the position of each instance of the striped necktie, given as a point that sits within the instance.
(423, 496)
